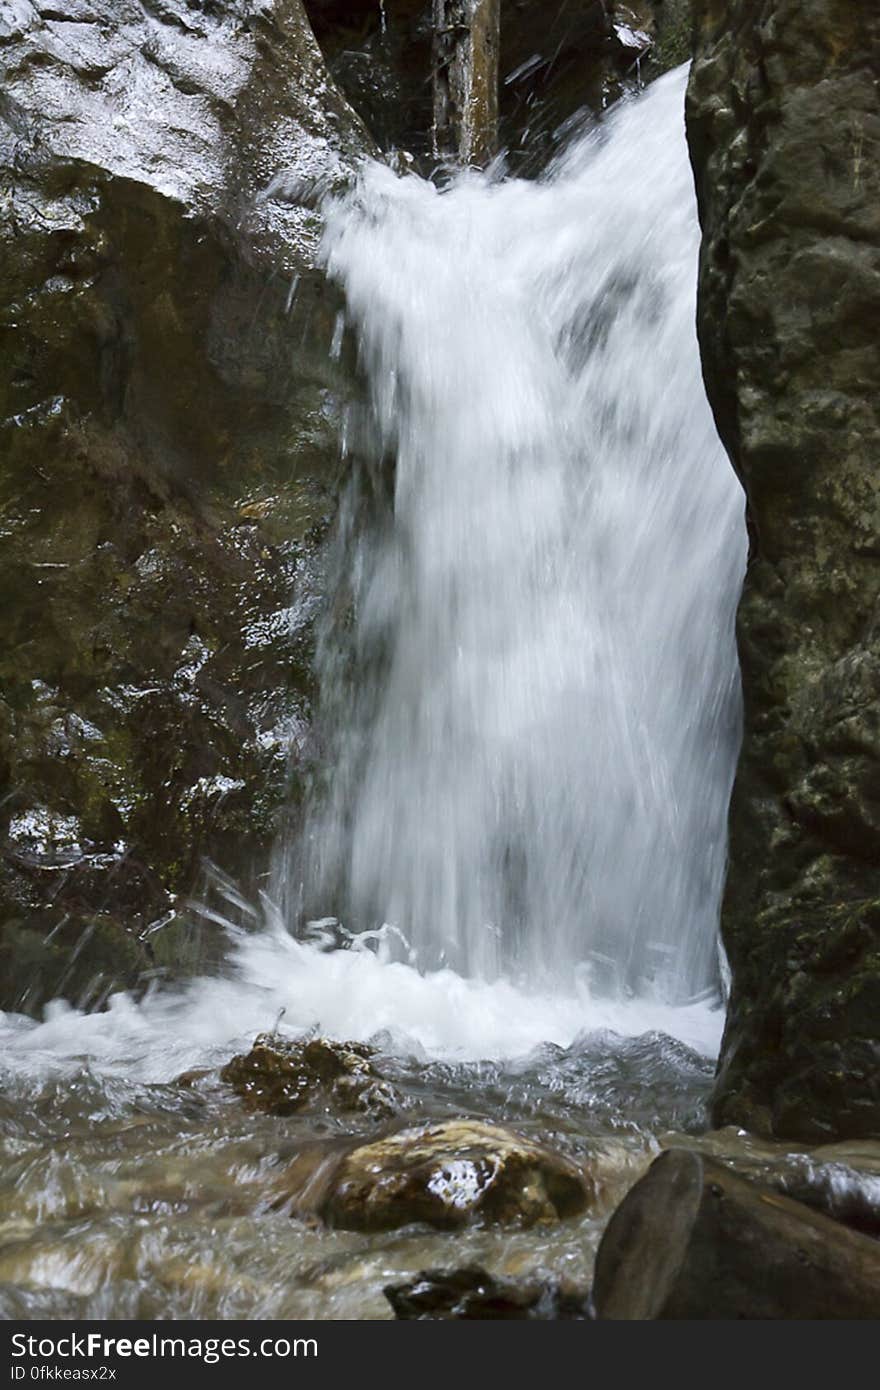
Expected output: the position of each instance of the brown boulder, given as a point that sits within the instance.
(693, 1240)
(446, 1175)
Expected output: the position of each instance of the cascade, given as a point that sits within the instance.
(534, 750)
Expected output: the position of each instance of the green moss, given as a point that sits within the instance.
(674, 34)
(804, 1024)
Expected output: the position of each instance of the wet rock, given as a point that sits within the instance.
(448, 1175)
(843, 1180)
(471, 1293)
(837, 1190)
(168, 461)
(632, 43)
(784, 131)
(672, 34)
(282, 1077)
(190, 1079)
(840, 1180)
(560, 62)
(694, 1240)
(466, 43)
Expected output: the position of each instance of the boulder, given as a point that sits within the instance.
(446, 1175)
(693, 1240)
(783, 120)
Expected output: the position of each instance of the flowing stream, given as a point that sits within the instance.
(531, 714)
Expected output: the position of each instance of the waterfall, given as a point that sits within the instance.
(529, 683)
(534, 739)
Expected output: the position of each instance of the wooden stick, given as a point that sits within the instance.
(466, 55)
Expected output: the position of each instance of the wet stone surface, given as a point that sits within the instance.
(445, 1175)
(283, 1077)
(784, 131)
(168, 466)
(468, 1294)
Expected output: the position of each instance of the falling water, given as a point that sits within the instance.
(535, 739)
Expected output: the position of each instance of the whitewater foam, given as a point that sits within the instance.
(348, 994)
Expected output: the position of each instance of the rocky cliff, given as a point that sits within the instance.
(167, 460)
(784, 126)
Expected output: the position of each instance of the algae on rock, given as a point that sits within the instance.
(283, 1076)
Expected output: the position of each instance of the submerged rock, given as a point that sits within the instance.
(446, 1175)
(472, 1293)
(282, 1077)
(784, 130)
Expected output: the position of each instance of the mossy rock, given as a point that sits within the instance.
(785, 142)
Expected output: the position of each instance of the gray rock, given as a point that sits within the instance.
(784, 129)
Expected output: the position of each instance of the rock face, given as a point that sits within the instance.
(168, 444)
(466, 79)
(167, 462)
(784, 129)
(557, 59)
(446, 1175)
(283, 1077)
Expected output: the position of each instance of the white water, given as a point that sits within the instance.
(342, 994)
(534, 767)
(537, 779)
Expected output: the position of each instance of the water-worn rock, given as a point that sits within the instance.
(693, 1240)
(471, 1294)
(446, 1175)
(282, 1076)
(784, 129)
(167, 462)
(840, 1180)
